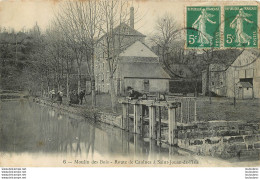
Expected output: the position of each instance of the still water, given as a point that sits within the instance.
(27, 128)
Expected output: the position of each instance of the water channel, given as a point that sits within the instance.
(29, 131)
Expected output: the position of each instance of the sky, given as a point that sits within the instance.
(20, 14)
(25, 13)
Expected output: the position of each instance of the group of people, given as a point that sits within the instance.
(75, 98)
(58, 96)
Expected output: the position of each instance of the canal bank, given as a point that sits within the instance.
(223, 139)
(49, 136)
(83, 113)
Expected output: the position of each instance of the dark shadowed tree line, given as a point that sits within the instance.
(61, 57)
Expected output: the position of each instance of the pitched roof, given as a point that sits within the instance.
(127, 30)
(247, 57)
(217, 67)
(226, 57)
(222, 57)
(124, 29)
(138, 49)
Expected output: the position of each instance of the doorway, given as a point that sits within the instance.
(146, 85)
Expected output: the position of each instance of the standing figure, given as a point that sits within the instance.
(237, 24)
(59, 97)
(200, 24)
(74, 98)
(82, 94)
(52, 93)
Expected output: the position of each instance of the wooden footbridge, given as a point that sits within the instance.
(176, 108)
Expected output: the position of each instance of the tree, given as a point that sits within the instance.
(14, 56)
(170, 48)
(114, 13)
(80, 22)
(39, 66)
(166, 32)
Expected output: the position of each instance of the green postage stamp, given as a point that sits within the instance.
(240, 26)
(203, 26)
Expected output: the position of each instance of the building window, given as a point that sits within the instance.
(221, 83)
(146, 85)
(212, 83)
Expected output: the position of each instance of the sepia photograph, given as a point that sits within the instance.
(129, 83)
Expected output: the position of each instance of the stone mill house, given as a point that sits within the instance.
(137, 65)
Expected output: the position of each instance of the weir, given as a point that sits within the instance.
(155, 120)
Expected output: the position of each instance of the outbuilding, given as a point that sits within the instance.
(245, 90)
(139, 68)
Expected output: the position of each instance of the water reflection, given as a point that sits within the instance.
(29, 127)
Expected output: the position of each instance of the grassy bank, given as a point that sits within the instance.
(219, 109)
(223, 109)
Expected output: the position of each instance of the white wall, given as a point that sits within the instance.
(239, 70)
(155, 85)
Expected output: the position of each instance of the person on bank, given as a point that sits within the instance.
(74, 98)
(82, 95)
(59, 97)
(52, 93)
(132, 94)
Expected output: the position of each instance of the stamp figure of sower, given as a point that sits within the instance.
(203, 26)
(237, 24)
(200, 24)
(240, 28)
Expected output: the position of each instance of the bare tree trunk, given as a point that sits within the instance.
(67, 85)
(195, 89)
(234, 90)
(41, 86)
(93, 91)
(208, 90)
(59, 88)
(48, 90)
(78, 68)
(112, 93)
(207, 81)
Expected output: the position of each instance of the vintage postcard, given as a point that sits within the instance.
(129, 83)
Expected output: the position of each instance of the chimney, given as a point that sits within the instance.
(132, 18)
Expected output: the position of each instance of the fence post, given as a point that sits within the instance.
(136, 143)
(137, 118)
(152, 122)
(172, 126)
(160, 123)
(124, 122)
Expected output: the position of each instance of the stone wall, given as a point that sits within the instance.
(221, 138)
